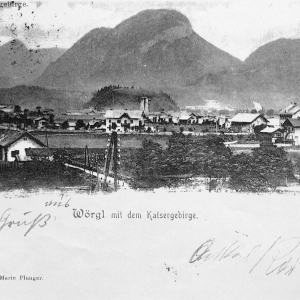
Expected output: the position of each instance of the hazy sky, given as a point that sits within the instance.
(236, 26)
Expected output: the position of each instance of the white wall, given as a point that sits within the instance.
(259, 121)
(295, 136)
(296, 115)
(21, 145)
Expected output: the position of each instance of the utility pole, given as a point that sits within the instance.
(112, 155)
(114, 136)
(91, 172)
(113, 98)
(97, 167)
(85, 157)
(47, 142)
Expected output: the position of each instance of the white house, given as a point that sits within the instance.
(13, 145)
(274, 122)
(124, 119)
(274, 132)
(245, 122)
(160, 117)
(175, 116)
(224, 122)
(292, 130)
(291, 111)
(41, 122)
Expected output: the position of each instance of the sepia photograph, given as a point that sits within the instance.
(150, 149)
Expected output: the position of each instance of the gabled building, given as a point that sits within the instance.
(6, 110)
(245, 122)
(124, 119)
(292, 130)
(224, 122)
(185, 120)
(175, 116)
(275, 133)
(160, 117)
(41, 122)
(48, 111)
(291, 111)
(274, 122)
(80, 112)
(14, 143)
(194, 118)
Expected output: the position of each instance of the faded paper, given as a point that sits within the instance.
(140, 258)
(60, 245)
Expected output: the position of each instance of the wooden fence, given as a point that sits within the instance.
(4, 165)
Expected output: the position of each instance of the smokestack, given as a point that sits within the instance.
(142, 105)
(146, 105)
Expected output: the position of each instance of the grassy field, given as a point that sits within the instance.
(129, 144)
(80, 140)
(41, 175)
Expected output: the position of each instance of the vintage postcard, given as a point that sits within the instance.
(149, 150)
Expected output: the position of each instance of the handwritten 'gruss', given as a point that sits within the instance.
(6, 221)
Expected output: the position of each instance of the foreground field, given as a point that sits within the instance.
(92, 140)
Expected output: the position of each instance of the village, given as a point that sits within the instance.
(281, 128)
(81, 139)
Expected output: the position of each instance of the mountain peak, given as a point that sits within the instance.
(14, 44)
(282, 49)
(152, 22)
(157, 14)
(154, 49)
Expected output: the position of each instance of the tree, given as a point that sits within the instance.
(26, 111)
(259, 128)
(253, 111)
(224, 112)
(267, 168)
(79, 124)
(38, 109)
(17, 109)
(65, 125)
(270, 112)
(146, 164)
(216, 164)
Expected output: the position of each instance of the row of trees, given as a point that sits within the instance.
(264, 169)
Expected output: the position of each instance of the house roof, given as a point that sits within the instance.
(159, 114)
(246, 118)
(195, 114)
(175, 114)
(7, 110)
(93, 122)
(269, 130)
(154, 113)
(290, 109)
(294, 109)
(292, 122)
(86, 111)
(41, 118)
(184, 117)
(85, 118)
(13, 137)
(118, 113)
